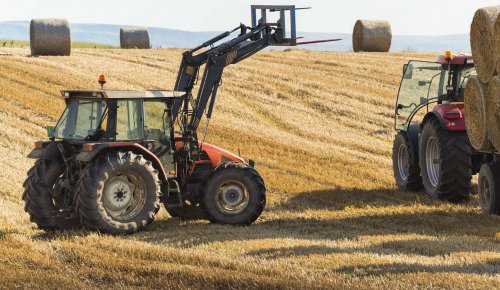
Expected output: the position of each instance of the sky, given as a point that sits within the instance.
(416, 17)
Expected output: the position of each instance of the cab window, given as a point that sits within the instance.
(129, 120)
(423, 83)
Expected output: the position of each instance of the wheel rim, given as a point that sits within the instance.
(484, 192)
(403, 162)
(232, 197)
(124, 196)
(432, 161)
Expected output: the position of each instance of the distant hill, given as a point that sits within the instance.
(109, 34)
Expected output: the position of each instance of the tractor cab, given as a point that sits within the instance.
(114, 115)
(103, 118)
(423, 83)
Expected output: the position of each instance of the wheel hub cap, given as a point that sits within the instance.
(433, 163)
(118, 193)
(485, 193)
(124, 196)
(232, 197)
(403, 162)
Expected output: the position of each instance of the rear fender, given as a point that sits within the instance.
(101, 148)
(49, 151)
(412, 135)
(450, 116)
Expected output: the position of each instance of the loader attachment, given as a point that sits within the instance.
(284, 29)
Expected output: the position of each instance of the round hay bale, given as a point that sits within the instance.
(372, 36)
(497, 44)
(482, 41)
(493, 111)
(134, 38)
(475, 113)
(50, 37)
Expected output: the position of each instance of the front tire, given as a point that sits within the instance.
(489, 193)
(39, 200)
(234, 194)
(445, 162)
(118, 193)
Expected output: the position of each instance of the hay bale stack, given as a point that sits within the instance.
(475, 113)
(493, 111)
(372, 36)
(482, 41)
(50, 37)
(134, 38)
(496, 46)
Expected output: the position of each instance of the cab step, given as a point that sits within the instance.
(174, 198)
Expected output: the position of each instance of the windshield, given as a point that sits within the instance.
(423, 82)
(80, 119)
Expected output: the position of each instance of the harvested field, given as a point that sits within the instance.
(321, 134)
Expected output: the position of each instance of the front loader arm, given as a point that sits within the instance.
(233, 51)
(250, 40)
(215, 60)
(212, 76)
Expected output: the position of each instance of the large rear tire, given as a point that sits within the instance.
(40, 200)
(234, 194)
(405, 163)
(489, 191)
(118, 193)
(445, 162)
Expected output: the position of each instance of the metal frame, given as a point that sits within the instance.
(281, 22)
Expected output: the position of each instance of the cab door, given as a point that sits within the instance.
(158, 128)
(422, 84)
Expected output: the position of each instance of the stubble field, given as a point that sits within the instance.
(318, 125)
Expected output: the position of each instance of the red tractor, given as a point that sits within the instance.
(434, 152)
(114, 156)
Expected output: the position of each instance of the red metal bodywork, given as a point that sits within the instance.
(463, 58)
(215, 154)
(451, 116)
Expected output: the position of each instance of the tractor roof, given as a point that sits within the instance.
(463, 58)
(122, 94)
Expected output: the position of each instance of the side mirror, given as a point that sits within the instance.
(408, 71)
(50, 131)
